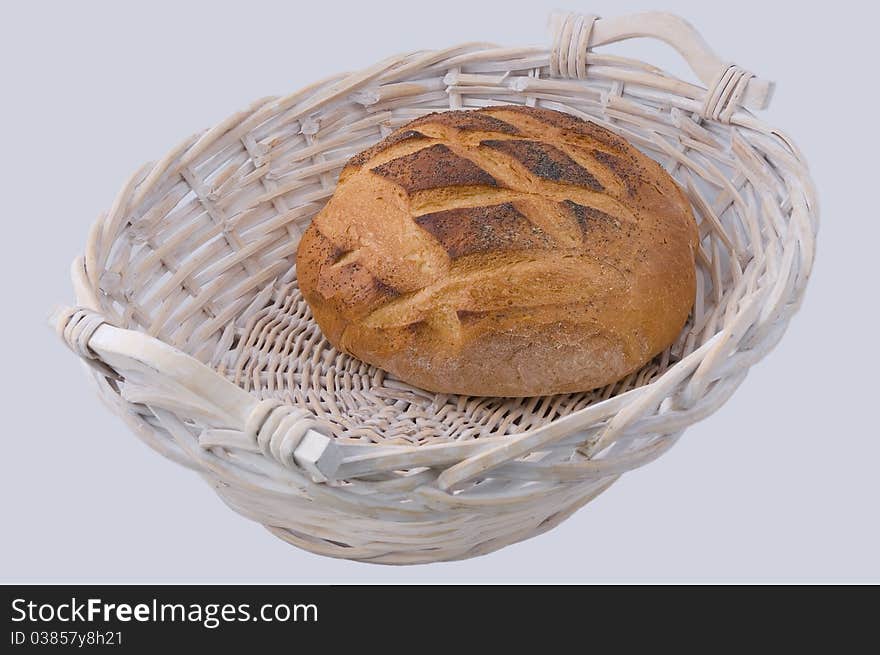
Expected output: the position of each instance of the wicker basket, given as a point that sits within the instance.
(189, 314)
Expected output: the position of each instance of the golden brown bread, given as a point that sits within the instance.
(508, 251)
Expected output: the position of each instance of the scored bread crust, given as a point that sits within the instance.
(506, 251)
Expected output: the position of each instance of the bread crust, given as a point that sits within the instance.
(506, 251)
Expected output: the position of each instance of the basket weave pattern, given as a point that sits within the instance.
(189, 313)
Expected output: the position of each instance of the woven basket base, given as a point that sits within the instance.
(278, 351)
(483, 533)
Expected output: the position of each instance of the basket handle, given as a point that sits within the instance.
(574, 34)
(160, 376)
(155, 374)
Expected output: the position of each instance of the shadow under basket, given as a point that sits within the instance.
(189, 314)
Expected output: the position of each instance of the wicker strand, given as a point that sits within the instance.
(76, 326)
(724, 95)
(278, 429)
(571, 40)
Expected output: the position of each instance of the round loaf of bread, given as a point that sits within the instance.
(506, 251)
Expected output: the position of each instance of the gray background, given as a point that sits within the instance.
(780, 484)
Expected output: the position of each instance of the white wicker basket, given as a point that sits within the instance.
(189, 313)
